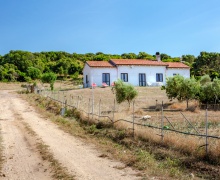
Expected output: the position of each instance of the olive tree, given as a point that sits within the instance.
(183, 89)
(49, 78)
(124, 92)
(209, 91)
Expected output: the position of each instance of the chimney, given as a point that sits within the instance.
(158, 56)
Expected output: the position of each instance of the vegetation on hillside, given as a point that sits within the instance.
(26, 66)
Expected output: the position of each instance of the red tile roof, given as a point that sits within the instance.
(176, 65)
(99, 64)
(137, 62)
(114, 62)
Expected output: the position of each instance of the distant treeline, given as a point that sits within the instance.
(25, 66)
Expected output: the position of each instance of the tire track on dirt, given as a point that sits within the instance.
(82, 160)
(21, 161)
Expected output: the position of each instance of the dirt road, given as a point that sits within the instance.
(23, 161)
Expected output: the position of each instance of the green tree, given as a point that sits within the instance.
(124, 92)
(164, 56)
(190, 89)
(129, 56)
(144, 55)
(34, 73)
(205, 79)
(49, 78)
(182, 88)
(207, 63)
(3, 73)
(209, 90)
(188, 58)
(173, 86)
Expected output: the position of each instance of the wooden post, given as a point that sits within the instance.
(88, 108)
(77, 102)
(113, 118)
(99, 109)
(133, 119)
(162, 135)
(206, 130)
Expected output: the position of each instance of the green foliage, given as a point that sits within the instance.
(34, 73)
(143, 55)
(27, 79)
(182, 88)
(209, 90)
(205, 90)
(207, 63)
(205, 79)
(15, 65)
(49, 78)
(188, 58)
(164, 56)
(173, 87)
(129, 56)
(124, 92)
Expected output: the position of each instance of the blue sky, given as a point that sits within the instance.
(174, 27)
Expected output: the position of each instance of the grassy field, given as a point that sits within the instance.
(176, 157)
(101, 101)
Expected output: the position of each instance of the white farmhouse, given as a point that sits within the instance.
(134, 71)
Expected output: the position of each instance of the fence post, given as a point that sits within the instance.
(133, 119)
(88, 108)
(162, 122)
(206, 130)
(77, 103)
(113, 117)
(99, 109)
(66, 104)
(58, 96)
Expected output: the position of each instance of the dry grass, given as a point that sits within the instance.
(149, 98)
(174, 143)
(10, 86)
(1, 156)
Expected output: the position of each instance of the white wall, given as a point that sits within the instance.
(185, 72)
(86, 71)
(134, 71)
(95, 75)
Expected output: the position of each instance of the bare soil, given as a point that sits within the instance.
(22, 160)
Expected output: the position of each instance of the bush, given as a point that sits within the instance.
(124, 92)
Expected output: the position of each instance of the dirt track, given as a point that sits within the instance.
(23, 161)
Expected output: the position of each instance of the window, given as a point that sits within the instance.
(87, 79)
(106, 78)
(124, 77)
(142, 79)
(159, 77)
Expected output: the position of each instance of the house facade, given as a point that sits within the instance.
(134, 71)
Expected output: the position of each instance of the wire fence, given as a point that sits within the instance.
(203, 126)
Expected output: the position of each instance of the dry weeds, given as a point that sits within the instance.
(174, 143)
